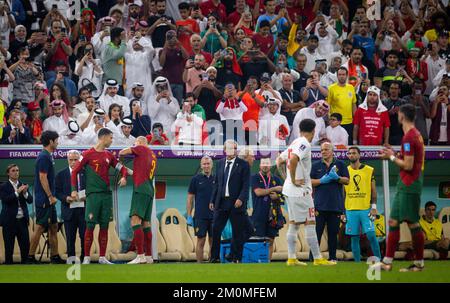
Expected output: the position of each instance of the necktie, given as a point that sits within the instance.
(225, 176)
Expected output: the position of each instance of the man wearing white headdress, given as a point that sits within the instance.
(71, 136)
(274, 127)
(371, 121)
(316, 112)
(58, 121)
(125, 138)
(89, 135)
(110, 96)
(162, 105)
(138, 57)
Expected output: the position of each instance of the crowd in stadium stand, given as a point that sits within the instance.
(169, 70)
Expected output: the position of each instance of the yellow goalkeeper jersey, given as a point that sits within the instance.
(358, 192)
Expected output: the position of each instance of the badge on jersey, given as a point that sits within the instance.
(407, 147)
(302, 147)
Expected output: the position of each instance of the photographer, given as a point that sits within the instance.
(162, 106)
(62, 76)
(440, 115)
(187, 127)
(172, 59)
(102, 36)
(160, 24)
(58, 46)
(141, 123)
(157, 137)
(16, 132)
(7, 22)
(89, 70)
(231, 109)
(25, 74)
(194, 73)
(214, 38)
(14, 215)
(228, 69)
(113, 58)
(207, 92)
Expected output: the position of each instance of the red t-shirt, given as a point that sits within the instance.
(412, 145)
(97, 169)
(174, 66)
(144, 164)
(209, 7)
(233, 18)
(264, 43)
(59, 54)
(150, 136)
(371, 126)
(184, 37)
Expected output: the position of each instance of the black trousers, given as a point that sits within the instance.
(18, 228)
(238, 224)
(76, 222)
(332, 220)
(349, 129)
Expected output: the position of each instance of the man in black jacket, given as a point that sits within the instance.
(229, 200)
(14, 216)
(72, 211)
(16, 132)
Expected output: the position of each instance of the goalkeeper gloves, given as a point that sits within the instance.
(333, 174)
(190, 221)
(325, 179)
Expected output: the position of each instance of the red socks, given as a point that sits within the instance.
(418, 242)
(139, 238)
(88, 239)
(148, 241)
(392, 242)
(103, 240)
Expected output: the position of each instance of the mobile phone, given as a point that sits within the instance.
(49, 40)
(133, 29)
(418, 92)
(63, 30)
(101, 120)
(224, 52)
(83, 38)
(205, 76)
(54, 6)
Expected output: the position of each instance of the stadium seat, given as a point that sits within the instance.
(405, 237)
(174, 231)
(446, 229)
(115, 253)
(163, 254)
(445, 212)
(280, 251)
(422, 212)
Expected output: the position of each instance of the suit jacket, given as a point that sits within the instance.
(238, 184)
(10, 203)
(63, 190)
(24, 138)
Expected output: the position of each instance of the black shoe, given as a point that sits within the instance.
(56, 260)
(214, 261)
(229, 258)
(31, 260)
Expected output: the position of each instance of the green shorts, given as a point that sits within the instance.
(99, 208)
(46, 216)
(406, 207)
(141, 206)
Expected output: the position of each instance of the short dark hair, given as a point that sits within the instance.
(355, 148)
(104, 132)
(264, 23)
(409, 111)
(430, 203)
(8, 168)
(344, 69)
(156, 125)
(357, 47)
(184, 5)
(346, 42)
(48, 136)
(116, 32)
(265, 1)
(307, 125)
(84, 88)
(338, 116)
(282, 36)
(188, 95)
(395, 83)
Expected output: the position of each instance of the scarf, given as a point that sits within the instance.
(235, 67)
(353, 73)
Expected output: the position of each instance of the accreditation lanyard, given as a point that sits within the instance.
(266, 185)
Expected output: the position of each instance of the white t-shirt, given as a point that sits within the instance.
(301, 148)
(337, 135)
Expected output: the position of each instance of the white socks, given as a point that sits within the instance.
(311, 238)
(291, 236)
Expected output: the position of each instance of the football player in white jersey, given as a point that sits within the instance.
(298, 192)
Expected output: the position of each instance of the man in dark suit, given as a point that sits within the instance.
(229, 200)
(14, 216)
(72, 212)
(16, 132)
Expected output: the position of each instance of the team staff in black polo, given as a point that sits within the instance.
(45, 200)
(328, 177)
(72, 212)
(265, 188)
(229, 200)
(199, 197)
(14, 216)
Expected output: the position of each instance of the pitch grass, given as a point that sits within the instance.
(343, 272)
